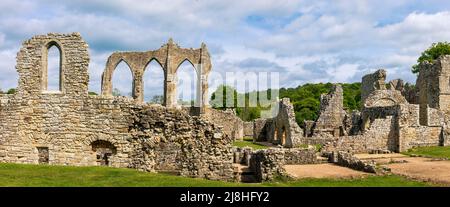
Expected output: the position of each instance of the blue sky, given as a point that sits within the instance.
(306, 41)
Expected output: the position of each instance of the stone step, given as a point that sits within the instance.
(245, 174)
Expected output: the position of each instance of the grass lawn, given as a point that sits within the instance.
(47, 175)
(248, 142)
(435, 151)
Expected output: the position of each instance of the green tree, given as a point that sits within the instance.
(11, 91)
(432, 53)
(92, 93)
(116, 92)
(158, 99)
(224, 97)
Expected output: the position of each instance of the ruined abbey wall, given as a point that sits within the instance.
(230, 124)
(70, 127)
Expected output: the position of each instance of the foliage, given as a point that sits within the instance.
(157, 99)
(305, 98)
(92, 93)
(116, 92)
(226, 97)
(433, 151)
(432, 53)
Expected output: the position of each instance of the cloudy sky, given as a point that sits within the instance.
(305, 41)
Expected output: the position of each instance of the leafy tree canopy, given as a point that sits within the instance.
(432, 53)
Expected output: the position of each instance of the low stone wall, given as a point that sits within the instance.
(346, 159)
(268, 163)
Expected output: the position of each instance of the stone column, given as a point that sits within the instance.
(170, 90)
(138, 94)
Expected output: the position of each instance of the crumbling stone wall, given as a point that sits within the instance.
(261, 129)
(268, 163)
(284, 129)
(348, 160)
(331, 114)
(248, 129)
(63, 128)
(171, 140)
(434, 84)
(372, 82)
(230, 123)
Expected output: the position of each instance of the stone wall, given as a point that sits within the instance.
(70, 127)
(372, 82)
(331, 114)
(231, 124)
(346, 159)
(268, 164)
(261, 128)
(171, 140)
(284, 129)
(248, 129)
(433, 84)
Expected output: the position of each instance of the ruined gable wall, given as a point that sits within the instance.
(286, 131)
(331, 114)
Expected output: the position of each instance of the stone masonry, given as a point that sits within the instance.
(70, 127)
(332, 114)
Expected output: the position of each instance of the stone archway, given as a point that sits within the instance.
(104, 151)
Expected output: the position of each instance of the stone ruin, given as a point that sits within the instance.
(394, 117)
(71, 127)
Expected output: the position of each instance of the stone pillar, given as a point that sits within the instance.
(170, 90)
(138, 94)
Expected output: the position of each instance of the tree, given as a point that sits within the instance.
(157, 99)
(224, 97)
(11, 91)
(92, 93)
(116, 92)
(432, 53)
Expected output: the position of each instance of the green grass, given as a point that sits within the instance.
(435, 151)
(46, 175)
(369, 181)
(248, 142)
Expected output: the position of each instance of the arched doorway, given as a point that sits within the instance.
(103, 150)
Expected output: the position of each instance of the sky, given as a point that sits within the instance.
(304, 41)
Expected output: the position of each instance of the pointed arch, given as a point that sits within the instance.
(153, 82)
(122, 79)
(187, 84)
(183, 62)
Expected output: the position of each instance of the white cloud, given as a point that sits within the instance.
(309, 41)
